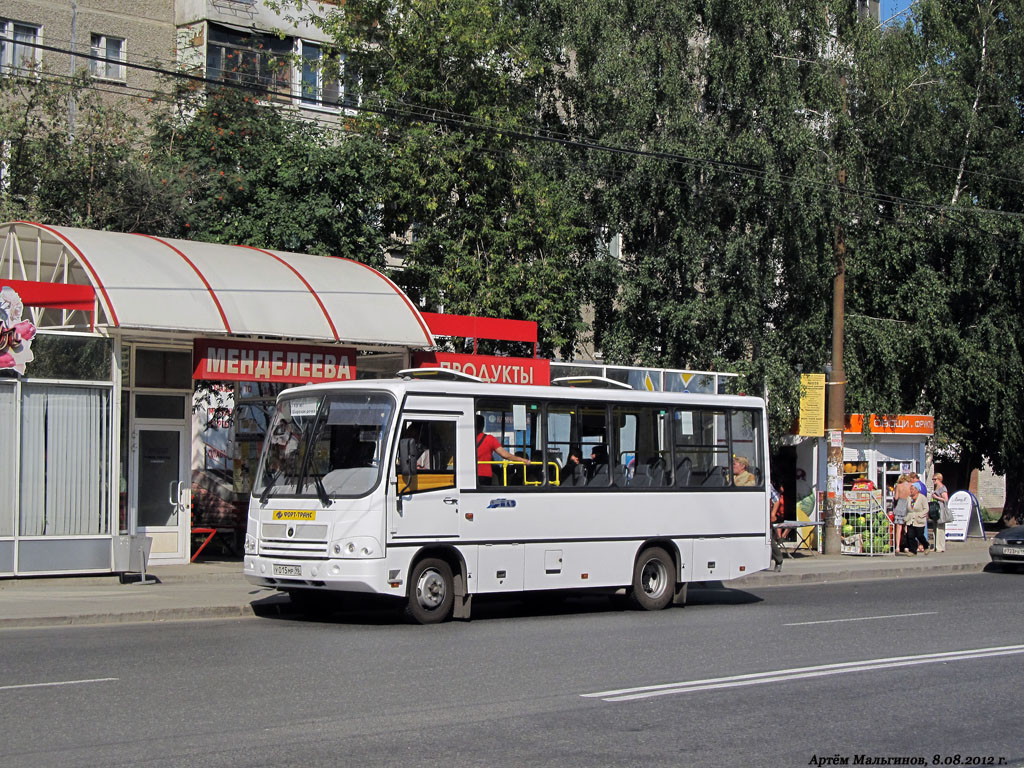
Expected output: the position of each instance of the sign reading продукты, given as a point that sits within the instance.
(230, 360)
(494, 370)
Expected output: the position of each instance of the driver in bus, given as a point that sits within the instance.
(741, 474)
(486, 446)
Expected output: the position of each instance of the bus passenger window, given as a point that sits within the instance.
(425, 460)
(745, 434)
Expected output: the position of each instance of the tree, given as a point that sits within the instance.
(485, 221)
(96, 176)
(939, 115)
(252, 173)
(727, 216)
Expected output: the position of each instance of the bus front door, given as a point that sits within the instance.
(425, 489)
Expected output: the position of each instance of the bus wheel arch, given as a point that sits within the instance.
(437, 587)
(655, 575)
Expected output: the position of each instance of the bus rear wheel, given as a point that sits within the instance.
(653, 580)
(431, 592)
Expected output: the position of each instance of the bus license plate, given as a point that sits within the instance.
(1013, 550)
(288, 570)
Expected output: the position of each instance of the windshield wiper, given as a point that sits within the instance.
(321, 492)
(265, 496)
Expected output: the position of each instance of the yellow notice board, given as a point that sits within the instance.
(812, 404)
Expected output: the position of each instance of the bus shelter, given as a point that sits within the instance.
(137, 375)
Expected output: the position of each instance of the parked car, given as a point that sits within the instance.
(1007, 547)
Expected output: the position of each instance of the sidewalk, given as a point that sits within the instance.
(217, 590)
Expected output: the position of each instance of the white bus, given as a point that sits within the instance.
(376, 487)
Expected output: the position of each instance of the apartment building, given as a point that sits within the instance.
(130, 48)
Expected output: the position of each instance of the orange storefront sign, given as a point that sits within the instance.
(889, 424)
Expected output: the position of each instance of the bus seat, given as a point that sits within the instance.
(715, 478)
(600, 476)
(684, 469)
(619, 476)
(641, 475)
(656, 472)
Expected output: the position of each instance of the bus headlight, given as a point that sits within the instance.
(356, 548)
(250, 544)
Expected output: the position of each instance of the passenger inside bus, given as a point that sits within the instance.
(598, 469)
(574, 473)
(486, 446)
(741, 474)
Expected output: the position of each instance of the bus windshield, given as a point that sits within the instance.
(319, 446)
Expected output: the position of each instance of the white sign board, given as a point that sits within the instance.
(961, 506)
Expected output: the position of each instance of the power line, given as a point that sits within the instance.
(437, 116)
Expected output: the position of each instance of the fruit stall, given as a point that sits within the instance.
(867, 527)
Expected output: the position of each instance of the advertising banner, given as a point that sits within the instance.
(812, 405)
(966, 517)
(231, 360)
(16, 334)
(494, 370)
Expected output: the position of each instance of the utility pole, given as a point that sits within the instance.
(835, 419)
(72, 106)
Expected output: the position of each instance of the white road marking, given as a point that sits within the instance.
(860, 618)
(782, 675)
(60, 682)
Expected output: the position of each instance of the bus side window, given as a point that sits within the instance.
(428, 450)
(746, 443)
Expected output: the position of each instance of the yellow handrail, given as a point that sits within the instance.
(505, 463)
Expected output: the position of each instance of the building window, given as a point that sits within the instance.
(320, 83)
(18, 53)
(110, 62)
(251, 59)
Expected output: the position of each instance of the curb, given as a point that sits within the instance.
(782, 579)
(132, 617)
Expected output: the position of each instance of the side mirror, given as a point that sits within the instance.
(409, 449)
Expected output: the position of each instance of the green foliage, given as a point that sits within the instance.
(251, 173)
(85, 171)
(502, 146)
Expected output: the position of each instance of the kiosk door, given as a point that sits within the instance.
(163, 489)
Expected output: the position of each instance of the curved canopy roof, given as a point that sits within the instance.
(158, 283)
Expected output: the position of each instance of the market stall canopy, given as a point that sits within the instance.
(164, 284)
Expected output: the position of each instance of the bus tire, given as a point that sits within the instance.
(653, 581)
(431, 592)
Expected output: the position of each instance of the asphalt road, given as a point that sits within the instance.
(927, 669)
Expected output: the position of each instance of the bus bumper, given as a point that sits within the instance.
(364, 576)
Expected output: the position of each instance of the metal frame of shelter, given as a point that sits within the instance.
(118, 293)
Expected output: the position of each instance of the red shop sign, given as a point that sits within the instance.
(229, 360)
(494, 370)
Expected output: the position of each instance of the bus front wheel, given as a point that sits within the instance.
(431, 592)
(653, 580)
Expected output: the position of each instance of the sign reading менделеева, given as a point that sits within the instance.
(231, 360)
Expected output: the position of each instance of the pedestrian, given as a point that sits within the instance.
(916, 478)
(901, 497)
(940, 494)
(776, 517)
(917, 518)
